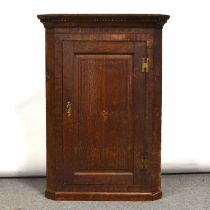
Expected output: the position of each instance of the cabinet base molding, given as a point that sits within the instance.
(103, 196)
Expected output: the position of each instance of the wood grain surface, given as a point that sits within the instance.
(103, 111)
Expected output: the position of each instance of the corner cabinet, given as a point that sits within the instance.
(103, 104)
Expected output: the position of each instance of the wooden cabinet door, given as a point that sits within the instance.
(103, 112)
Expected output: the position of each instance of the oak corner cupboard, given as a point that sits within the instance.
(103, 104)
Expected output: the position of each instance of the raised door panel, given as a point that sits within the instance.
(103, 135)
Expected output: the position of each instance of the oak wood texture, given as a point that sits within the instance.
(107, 145)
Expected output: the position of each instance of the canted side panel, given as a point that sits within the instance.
(157, 100)
(50, 110)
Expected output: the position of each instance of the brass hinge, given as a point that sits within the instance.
(144, 162)
(145, 65)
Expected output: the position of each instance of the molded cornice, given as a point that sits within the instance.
(104, 20)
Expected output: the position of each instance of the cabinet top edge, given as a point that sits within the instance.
(103, 20)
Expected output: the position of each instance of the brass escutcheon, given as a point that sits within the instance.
(68, 108)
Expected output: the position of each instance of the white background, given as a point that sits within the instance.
(186, 81)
